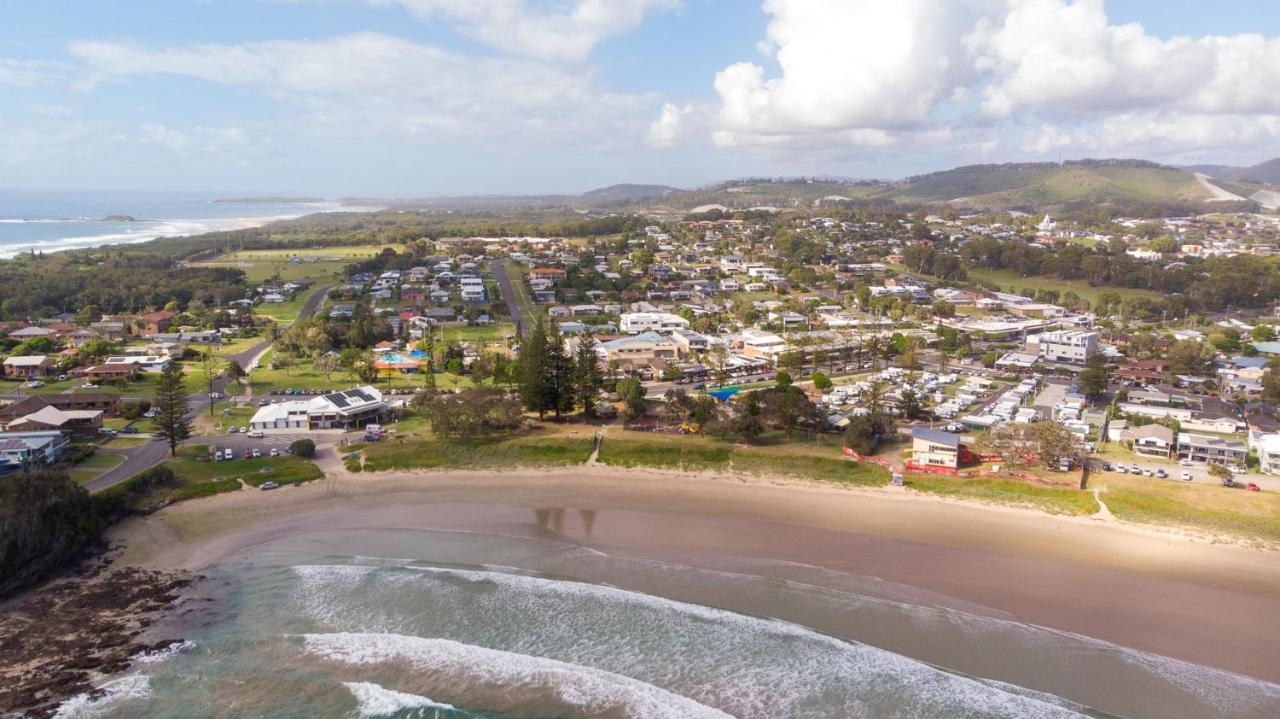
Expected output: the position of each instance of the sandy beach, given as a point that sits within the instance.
(1158, 592)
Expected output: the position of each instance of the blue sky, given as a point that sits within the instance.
(420, 97)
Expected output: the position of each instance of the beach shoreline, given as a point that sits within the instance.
(1146, 589)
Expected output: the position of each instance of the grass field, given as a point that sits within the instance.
(1011, 281)
(424, 451)
(1193, 504)
(813, 461)
(1013, 492)
(316, 263)
(491, 334)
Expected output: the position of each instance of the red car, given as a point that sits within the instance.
(1253, 487)
(248, 454)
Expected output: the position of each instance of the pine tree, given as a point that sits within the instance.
(588, 379)
(558, 375)
(531, 368)
(171, 405)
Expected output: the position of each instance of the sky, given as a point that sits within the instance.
(411, 98)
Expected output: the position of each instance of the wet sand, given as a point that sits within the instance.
(1205, 603)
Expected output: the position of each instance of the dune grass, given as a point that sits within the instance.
(199, 479)
(1208, 507)
(1014, 492)
(487, 453)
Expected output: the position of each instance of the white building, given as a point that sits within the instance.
(637, 322)
(337, 410)
(1069, 346)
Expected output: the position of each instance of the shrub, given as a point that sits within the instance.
(304, 448)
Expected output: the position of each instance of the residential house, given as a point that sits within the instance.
(28, 448)
(152, 323)
(27, 366)
(110, 372)
(108, 404)
(643, 348)
(1150, 440)
(1205, 448)
(548, 274)
(638, 322)
(74, 422)
(934, 448)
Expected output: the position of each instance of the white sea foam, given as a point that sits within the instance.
(87, 706)
(376, 700)
(749, 666)
(161, 655)
(521, 678)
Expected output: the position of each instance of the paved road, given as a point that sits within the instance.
(137, 459)
(508, 293)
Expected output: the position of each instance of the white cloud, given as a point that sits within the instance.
(24, 73)
(670, 125)
(876, 73)
(512, 26)
(374, 83)
(198, 139)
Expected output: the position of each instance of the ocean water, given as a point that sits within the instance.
(53, 221)
(423, 623)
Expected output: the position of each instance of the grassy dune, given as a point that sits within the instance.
(1209, 507)
(1011, 492)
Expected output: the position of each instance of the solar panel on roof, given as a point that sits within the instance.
(337, 399)
(361, 394)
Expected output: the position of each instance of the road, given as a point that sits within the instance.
(151, 453)
(508, 294)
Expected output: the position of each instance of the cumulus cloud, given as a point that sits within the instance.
(369, 82)
(514, 27)
(879, 72)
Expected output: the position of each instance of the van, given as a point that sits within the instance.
(256, 434)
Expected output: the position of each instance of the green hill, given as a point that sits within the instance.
(1263, 173)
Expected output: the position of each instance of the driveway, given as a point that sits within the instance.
(136, 459)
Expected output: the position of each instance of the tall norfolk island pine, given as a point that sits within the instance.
(171, 420)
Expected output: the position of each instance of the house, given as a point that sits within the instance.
(108, 404)
(934, 448)
(548, 274)
(1064, 346)
(415, 295)
(144, 363)
(27, 366)
(1268, 448)
(638, 322)
(761, 345)
(110, 372)
(642, 348)
(152, 323)
(110, 329)
(1204, 448)
(27, 448)
(1150, 440)
(338, 410)
(81, 336)
(31, 333)
(75, 422)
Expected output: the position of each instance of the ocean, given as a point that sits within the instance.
(52, 221)
(503, 622)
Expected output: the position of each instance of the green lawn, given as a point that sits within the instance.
(1053, 500)
(1011, 281)
(303, 376)
(1252, 515)
(101, 460)
(427, 452)
(491, 334)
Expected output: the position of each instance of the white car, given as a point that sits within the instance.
(89, 385)
(256, 434)
(33, 384)
(1184, 476)
(275, 452)
(1121, 469)
(228, 453)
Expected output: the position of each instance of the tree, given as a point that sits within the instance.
(235, 372)
(558, 378)
(305, 448)
(588, 380)
(748, 425)
(171, 406)
(1190, 357)
(360, 365)
(1094, 379)
(1219, 471)
(532, 369)
(909, 405)
(471, 412)
(862, 435)
(782, 379)
(821, 381)
(209, 370)
(631, 392)
(327, 364)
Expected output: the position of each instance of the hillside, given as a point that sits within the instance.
(1031, 186)
(1266, 173)
(627, 193)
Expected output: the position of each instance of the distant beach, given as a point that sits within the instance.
(56, 221)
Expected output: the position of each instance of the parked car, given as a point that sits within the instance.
(1121, 469)
(62, 378)
(1162, 474)
(130, 430)
(275, 452)
(1184, 476)
(89, 385)
(228, 454)
(1146, 472)
(232, 430)
(256, 434)
(34, 384)
(1253, 487)
(268, 485)
(248, 454)
(257, 453)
